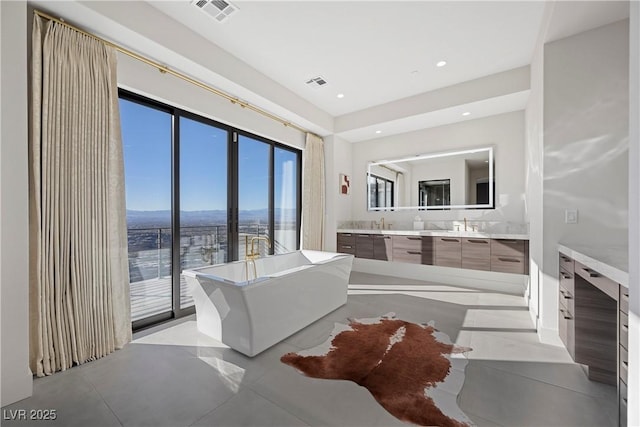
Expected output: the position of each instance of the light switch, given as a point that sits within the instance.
(571, 216)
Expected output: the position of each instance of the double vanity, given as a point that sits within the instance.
(593, 314)
(505, 253)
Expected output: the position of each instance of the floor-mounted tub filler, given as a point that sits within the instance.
(287, 293)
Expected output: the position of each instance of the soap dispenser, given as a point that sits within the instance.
(418, 224)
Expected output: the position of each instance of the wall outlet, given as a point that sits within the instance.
(571, 216)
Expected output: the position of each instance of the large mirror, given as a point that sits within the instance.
(461, 179)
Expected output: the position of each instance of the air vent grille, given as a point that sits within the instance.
(219, 10)
(316, 82)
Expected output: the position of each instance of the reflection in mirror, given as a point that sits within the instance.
(461, 179)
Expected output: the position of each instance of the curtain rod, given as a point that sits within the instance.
(166, 70)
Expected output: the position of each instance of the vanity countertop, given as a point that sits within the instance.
(610, 261)
(440, 233)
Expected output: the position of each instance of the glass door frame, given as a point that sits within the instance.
(233, 137)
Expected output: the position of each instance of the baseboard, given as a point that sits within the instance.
(485, 280)
(550, 336)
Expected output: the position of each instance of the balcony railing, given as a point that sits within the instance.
(150, 260)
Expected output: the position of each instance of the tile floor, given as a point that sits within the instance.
(174, 376)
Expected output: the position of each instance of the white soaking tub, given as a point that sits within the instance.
(290, 292)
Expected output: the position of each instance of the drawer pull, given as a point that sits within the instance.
(414, 252)
(477, 241)
(509, 241)
(625, 296)
(565, 314)
(565, 259)
(625, 363)
(347, 247)
(625, 400)
(565, 295)
(414, 238)
(449, 240)
(347, 234)
(565, 276)
(509, 260)
(625, 328)
(591, 272)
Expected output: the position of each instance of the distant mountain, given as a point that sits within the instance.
(162, 219)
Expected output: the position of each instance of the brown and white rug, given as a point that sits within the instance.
(414, 371)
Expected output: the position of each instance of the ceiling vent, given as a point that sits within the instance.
(220, 10)
(317, 82)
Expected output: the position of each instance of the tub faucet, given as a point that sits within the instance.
(256, 253)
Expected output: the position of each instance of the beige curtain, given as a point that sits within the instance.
(313, 193)
(79, 287)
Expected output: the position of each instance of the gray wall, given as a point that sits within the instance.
(585, 160)
(14, 214)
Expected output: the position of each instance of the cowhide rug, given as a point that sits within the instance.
(412, 370)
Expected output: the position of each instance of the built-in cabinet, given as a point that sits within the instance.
(623, 331)
(593, 324)
(500, 255)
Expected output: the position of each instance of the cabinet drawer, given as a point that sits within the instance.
(407, 242)
(448, 251)
(566, 298)
(567, 280)
(347, 249)
(605, 284)
(624, 299)
(346, 239)
(476, 254)
(382, 248)
(507, 264)
(624, 330)
(364, 246)
(566, 328)
(566, 263)
(409, 256)
(624, 364)
(623, 404)
(508, 247)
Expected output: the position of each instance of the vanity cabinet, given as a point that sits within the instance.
(623, 338)
(508, 256)
(593, 324)
(566, 305)
(373, 246)
(476, 253)
(473, 253)
(413, 249)
(382, 247)
(448, 251)
(346, 243)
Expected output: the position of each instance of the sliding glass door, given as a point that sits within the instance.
(197, 192)
(203, 197)
(146, 138)
(254, 183)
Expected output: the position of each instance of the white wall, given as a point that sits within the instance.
(338, 206)
(634, 215)
(505, 132)
(14, 225)
(586, 107)
(140, 78)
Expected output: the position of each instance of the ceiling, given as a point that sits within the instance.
(373, 52)
(381, 55)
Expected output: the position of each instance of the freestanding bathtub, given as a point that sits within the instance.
(290, 292)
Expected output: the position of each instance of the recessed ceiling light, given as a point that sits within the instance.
(378, 131)
(441, 63)
(466, 113)
(340, 95)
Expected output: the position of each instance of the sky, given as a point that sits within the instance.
(146, 134)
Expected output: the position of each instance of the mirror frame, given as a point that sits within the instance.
(489, 205)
